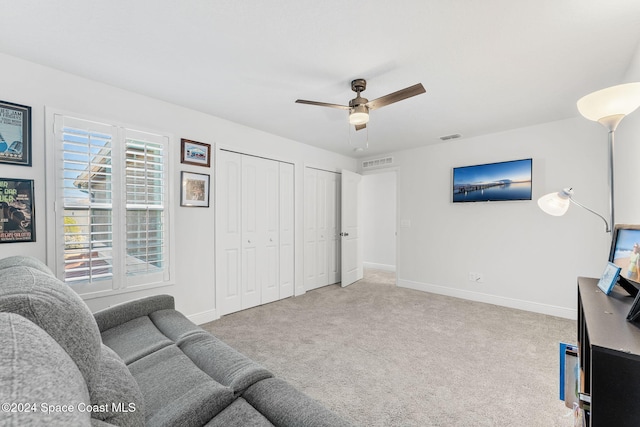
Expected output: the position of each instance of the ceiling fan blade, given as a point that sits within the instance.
(360, 127)
(405, 93)
(322, 104)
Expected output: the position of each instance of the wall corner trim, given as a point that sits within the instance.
(204, 317)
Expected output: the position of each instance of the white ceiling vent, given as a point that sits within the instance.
(453, 136)
(377, 163)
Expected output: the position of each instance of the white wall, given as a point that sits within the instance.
(379, 220)
(627, 158)
(37, 86)
(529, 260)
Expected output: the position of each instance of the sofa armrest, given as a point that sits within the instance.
(284, 405)
(122, 313)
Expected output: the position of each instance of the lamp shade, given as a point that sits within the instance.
(612, 102)
(359, 115)
(556, 204)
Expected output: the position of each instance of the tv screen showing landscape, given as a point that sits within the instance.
(493, 182)
(625, 251)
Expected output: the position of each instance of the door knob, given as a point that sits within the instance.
(344, 234)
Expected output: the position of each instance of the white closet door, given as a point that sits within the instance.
(228, 232)
(310, 214)
(287, 212)
(253, 230)
(270, 171)
(333, 228)
(322, 228)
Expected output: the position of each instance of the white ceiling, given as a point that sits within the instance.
(488, 66)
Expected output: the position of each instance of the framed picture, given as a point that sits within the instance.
(490, 182)
(194, 190)
(195, 153)
(609, 278)
(17, 214)
(15, 134)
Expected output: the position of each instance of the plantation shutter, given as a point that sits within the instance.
(113, 228)
(145, 176)
(87, 199)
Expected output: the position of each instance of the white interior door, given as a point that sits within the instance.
(351, 241)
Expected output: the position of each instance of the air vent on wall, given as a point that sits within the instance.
(377, 163)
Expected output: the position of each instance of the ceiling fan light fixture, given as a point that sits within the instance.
(359, 115)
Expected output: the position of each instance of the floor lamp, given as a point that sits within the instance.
(607, 107)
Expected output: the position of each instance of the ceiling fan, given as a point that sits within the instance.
(359, 107)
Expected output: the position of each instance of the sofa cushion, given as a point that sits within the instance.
(176, 392)
(223, 363)
(34, 369)
(174, 324)
(117, 387)
(58, 310)
(135, 339)
(239, 414)
(284, 405)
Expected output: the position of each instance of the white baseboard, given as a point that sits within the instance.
(535, 307)
(204, 317)
(384, 267)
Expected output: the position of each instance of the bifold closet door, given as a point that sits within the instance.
(287, 214)
(322, 228)
(229, 232)
(260, 231)
(255, 261)
(310, 228)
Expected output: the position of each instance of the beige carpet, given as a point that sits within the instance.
(379, 355)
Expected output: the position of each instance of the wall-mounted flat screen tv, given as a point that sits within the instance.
(625, 253)
(493, 182)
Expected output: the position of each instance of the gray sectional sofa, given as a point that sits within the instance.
(135, 364)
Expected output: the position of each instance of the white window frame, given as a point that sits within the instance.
(120, 282)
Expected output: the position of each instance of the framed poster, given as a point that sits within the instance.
(17, 214)
(194, 190)
(195, 153)
(15, 134)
